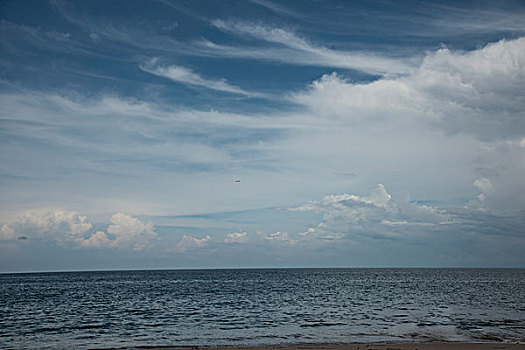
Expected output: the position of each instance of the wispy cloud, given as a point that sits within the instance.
(461, 20)
(277, 8)
(296, 50)
(456, 91)
(184, 75)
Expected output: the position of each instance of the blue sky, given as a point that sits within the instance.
(364, 133)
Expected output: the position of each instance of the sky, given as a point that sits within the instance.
(262, 133)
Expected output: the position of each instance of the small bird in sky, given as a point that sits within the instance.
(237, 180)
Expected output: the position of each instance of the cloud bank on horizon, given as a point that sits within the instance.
(122, 135)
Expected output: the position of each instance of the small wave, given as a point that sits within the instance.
(488, 337)
(88, 326)
(322, 324)
(50, 329)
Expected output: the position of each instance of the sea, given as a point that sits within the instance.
(120, 309)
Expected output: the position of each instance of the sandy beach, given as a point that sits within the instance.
(382, 346)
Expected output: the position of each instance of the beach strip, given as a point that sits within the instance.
(370, 346)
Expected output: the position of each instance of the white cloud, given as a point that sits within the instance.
(376, 215)
(475, 21)
(475, 97)
(131, 232)
(236, 237)
(501, 166)
(70, 229)
(148, 146)
(189, 242)
(98, 239)
(156, 143)
(405, 223)
(483, 184)
(64, 36)
(293, 49)
(349, 219)
(378, 197)
(148, 123)
(310, 231)
(278, 9)
(60, 225)
(187, 76)
(7, 232)
(279, 237)
(332, 97)
(477, 93)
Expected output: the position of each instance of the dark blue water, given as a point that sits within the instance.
(249, 307)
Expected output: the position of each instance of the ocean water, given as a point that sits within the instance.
(251, 307)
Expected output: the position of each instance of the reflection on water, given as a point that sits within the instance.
(277, 306)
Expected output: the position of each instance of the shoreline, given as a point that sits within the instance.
(351, 346)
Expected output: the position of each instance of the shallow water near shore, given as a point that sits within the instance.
(254, 307)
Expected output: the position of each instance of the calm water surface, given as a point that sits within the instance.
(249, 307)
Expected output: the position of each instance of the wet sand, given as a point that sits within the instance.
(382, 346)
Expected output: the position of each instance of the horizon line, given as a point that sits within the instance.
(270, 268)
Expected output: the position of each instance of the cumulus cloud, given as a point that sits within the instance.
(7, 232)
(310, 231)
(98, 239)
(236, 237)
(189, 242)
(378, 197)
(501, 166)
(70, 229)
(59, 225)
(280, 238)
(375, 215)
(349, 219)
(483, 184)
(477, 93)
(184, 75)
(473, 96)
(128, 231)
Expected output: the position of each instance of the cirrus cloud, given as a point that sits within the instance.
(185, 75)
